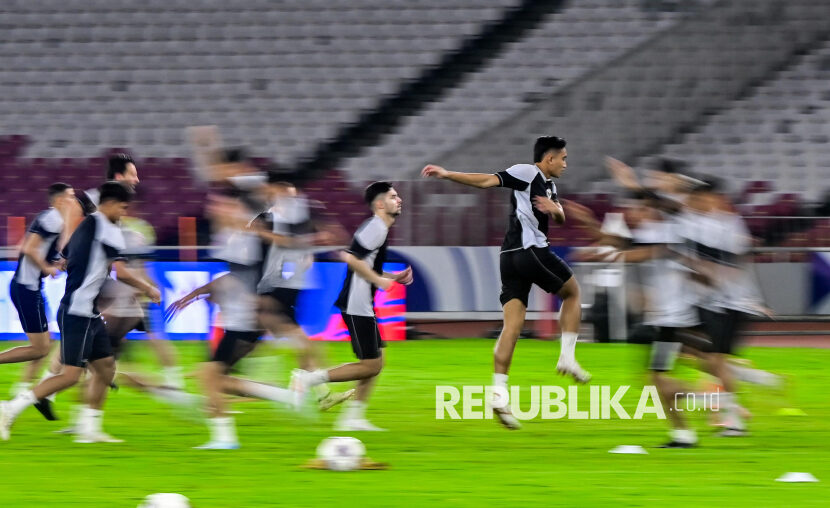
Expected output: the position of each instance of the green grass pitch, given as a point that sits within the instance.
(435, 462)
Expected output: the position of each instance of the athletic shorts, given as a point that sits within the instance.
(286, 300)
(522, 268)
(234, 346)
(365, 336)
(670, 341)
(31, 308)
(724, 328)
(83, 339)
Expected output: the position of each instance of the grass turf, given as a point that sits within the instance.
(440, 462)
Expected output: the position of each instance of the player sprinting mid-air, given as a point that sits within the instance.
(526, 258)
(40, 247)
(365, 258)
(95, 245)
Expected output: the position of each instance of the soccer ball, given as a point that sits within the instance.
(165, 501)
(341, 453)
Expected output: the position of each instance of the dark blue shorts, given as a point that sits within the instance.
(83, 339)
(31, 308)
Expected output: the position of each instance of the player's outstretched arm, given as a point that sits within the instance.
(404, 277)
(480, 180)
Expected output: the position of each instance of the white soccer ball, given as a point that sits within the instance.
(341, 453)
(165, 501)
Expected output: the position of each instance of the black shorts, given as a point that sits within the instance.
(234, 346)
(31, 308)
(522, 268)
(670, 341)
(365, 336)
(83, 339)
(284, 302)
(724, 328)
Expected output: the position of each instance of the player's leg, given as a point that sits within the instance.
(368, 347)
(277, 314)
(102, 370)
(664, 352)
(75, 350)
(31, 309)
(233, 347)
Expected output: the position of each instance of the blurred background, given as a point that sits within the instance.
(353, 91)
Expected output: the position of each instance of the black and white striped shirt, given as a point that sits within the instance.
(528, 227)
(369, 244)
(93, 247)
(48, 225)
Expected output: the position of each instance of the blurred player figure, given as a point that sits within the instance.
(365, 258)
(288, 231)
(94, 248)
(526, 259)
(37, 260)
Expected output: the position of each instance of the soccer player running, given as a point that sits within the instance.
(40, 247)
(526, 259)
(288, 231)
(365, 258)
(95, 246)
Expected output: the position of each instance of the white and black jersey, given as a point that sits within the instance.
(286, 267)
(93, 247)
(368, 244)
(48, 225)
(528, 227)
(669, 302)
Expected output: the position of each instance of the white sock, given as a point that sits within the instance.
(687, 436)
(354, 410)
(173, 377)
(567, 346)
(500, 380)
(90, 420)
(754, 376)
(267, 392)
(222, 429)
(46, 375)
(21, 402)
(317, 377)
(20, 387)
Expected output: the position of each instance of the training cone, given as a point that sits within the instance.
(797, 478)
(629, 449)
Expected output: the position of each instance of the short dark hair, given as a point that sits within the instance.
(545, 144)
(235, 154)
(280, 175)
(374, 190)
(117, 165)
(114, 191)
(58, 188)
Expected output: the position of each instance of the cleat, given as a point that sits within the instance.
(357, 425)
(733, 432)
(96, 437)
(46, 409)
(218, 445)
(507, 419)
(332, 399)
(677, 444)
(574, 370)
(5, 421)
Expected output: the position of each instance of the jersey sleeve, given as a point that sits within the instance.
(517, 177)
(368, 238)
(113, 243)
(47, 224)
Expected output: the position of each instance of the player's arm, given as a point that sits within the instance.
(125, 275)
(550, 207)
(403, 277)
(480, 180)
(623, 174)
(30, 247)
(365, 271)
